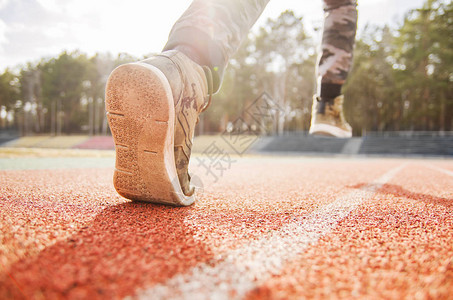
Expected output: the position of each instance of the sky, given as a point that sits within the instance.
(35, 29)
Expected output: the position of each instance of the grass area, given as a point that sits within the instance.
(236, 144)
(47, 146)
(59, 142)
(8, 152)
(28, 141)
(63, 142)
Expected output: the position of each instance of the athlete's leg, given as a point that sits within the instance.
(338, 39)
(340, 24)
(154, 104)
(210, 31)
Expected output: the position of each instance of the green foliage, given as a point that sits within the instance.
(63, 82)
(424, 56)
(9, 89)
(279, 59)
(401, 80)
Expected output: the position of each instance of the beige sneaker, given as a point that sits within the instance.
(153, 107)
(328, 118)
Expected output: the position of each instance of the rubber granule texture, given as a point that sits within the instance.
(67, 234)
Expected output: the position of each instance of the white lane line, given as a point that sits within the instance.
(448, 172)
(243, 269)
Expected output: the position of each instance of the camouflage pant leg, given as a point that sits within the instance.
(215, 29)
(340, 24)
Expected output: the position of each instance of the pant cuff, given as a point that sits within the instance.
(209, 53)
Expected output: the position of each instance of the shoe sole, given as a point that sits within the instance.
(329, 130)
(141, 115)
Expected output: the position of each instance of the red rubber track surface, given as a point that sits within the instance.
(67, 234)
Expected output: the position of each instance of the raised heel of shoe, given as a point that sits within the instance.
(141, 116)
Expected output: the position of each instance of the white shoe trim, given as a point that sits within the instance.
(141, 115)
(329, 130)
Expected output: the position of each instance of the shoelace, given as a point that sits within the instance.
(210, 81)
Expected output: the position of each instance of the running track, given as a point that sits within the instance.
(268, 228)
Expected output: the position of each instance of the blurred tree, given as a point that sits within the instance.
(282, 49)
(98, 69)
(370, 89)
(33, 110)
(9, 91)
(401, 80)
(64, 81)
(279, 59)
(424, 58)
(9, 95)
